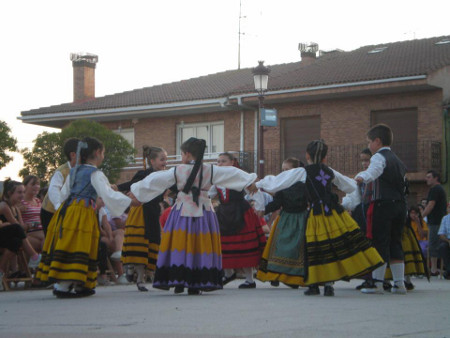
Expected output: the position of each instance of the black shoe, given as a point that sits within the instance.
(141, 287)
(409, 286)
(226, 280)
(275, 283)
(328, 290)
(193, 291)
(247, 285)
(84, 292)
(366, 284)
(312, 290)
(64, 294)
(293, 286)
(178, 289)
(387, 286)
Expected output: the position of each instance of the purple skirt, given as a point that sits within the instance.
(190, 254)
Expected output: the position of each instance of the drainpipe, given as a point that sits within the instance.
(242, 106)
(446, 151)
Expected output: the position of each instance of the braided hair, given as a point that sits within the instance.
(150, 153)
(196, 147)
(317, 150)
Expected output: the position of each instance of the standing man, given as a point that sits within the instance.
(435, 210)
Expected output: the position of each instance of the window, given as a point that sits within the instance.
(127, 134)
(404, 127)
(212, 132)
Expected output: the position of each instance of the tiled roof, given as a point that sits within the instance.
(399, 59)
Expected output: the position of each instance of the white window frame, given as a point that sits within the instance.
(209, 126)
(122, 131)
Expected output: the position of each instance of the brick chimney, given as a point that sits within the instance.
(308, 52)
(83, 76)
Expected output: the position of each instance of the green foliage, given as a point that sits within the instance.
(44, 158)
(47, 153)
(7, 143)
(117, 150)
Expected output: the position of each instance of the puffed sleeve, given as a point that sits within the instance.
(344, 183)
(153, 185)
(54, 189)
(351, 200)
(282, 181)
(65, 192)
(231, 178)
(115, 201)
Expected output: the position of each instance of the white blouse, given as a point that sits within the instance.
(156, 183)
(115, 201)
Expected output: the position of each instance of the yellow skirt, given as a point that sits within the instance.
(337, 249)
(414, 261)
(136, 248)
(71, 247)
(290, 257)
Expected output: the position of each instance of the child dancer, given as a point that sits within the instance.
(335, 247)
(241, 235)
(283, 258)
(388, 207)
(142, 228)
(71, 245)
(190, 252)
(53, 195)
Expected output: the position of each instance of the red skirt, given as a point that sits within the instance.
(244, 249)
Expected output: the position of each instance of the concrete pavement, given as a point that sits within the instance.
(122, 311)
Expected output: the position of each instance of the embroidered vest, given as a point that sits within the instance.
(82, 188)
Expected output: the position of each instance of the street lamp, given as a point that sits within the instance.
(261, 77)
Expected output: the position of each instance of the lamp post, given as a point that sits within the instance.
(261, 78)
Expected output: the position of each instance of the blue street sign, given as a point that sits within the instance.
(269, 117)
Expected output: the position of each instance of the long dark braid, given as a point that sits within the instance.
(197, 148)
(317, 150)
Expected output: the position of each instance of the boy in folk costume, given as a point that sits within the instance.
(388, 208)
(53, 196)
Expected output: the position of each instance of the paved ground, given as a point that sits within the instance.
(122, 311)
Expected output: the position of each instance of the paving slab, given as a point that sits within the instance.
(122, 311)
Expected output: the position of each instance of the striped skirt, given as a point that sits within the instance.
(137, 250)
(415, 263)
(283, 258)
(244, 249)
(190, 253)
(337, 249)
(71, 247)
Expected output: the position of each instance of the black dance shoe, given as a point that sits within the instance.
(226, 280)
(178, 289)
(328, 290)
(141, 287)
(275, 283)
(84, 292)
(387, 286)
(366, 284)
(292, 286)
(247, 285)
(193, 292)
(409, 286)
(312, 290)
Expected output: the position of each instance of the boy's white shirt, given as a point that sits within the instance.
(376, 167)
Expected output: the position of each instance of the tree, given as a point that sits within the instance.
(47, 153)
(7, 143)
(44, 158)
(118, 151)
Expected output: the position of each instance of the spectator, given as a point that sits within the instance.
(31, 212)
(419, 227)
(444, 245)
(434, 211)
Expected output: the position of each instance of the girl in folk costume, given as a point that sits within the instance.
(241, 234)
(283, 258)
(335, 247)
(142, 228)
(190, 252)
(70, 250)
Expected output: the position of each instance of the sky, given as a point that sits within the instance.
(141, 43)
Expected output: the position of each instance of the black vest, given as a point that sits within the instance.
(391, 184)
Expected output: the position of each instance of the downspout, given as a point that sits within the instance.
(446, 150)
(243, 106)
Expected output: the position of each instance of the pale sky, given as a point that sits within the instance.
(141, 43)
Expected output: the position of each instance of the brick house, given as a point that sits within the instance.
(333, 95)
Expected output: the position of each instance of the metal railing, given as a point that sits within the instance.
(418, 157)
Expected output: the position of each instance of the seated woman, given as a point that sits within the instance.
(31, 212)
(12, 234)
(420, 228)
